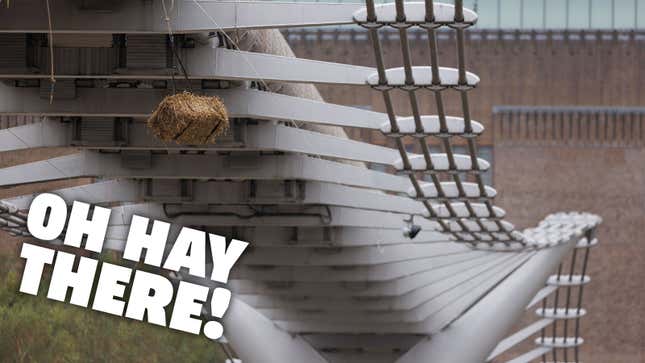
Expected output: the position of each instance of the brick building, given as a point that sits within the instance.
(561, 110)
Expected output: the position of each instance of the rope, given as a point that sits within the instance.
(52, 78)
(171, 38)
(48, 161)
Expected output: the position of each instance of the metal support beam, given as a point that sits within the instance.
(531, 355)
(518, 337)
(451, 307)
(243, 216)
(140, 102)
(543, 293)
(312, 237)
(365, 274)
(217, 63)
(350, 256)
(510, 297)
(187, 16)
(249, 331)
(230, 193)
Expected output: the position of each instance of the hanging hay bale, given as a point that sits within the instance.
(190, 119)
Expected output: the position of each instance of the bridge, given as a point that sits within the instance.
(413, 263)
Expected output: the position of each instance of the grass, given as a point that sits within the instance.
(35, 329)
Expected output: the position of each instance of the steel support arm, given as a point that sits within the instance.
(209, 166)
(495, 313)
(367, 274)
(518, 337)
(263, 136)
(453, 305)
(228, 193)
(187, 16)
(257, 339)
(137, 102)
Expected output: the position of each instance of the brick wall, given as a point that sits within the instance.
(537, 178)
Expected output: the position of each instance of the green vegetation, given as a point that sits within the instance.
(35, 329)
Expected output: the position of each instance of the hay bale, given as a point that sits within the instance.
(190, 119)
